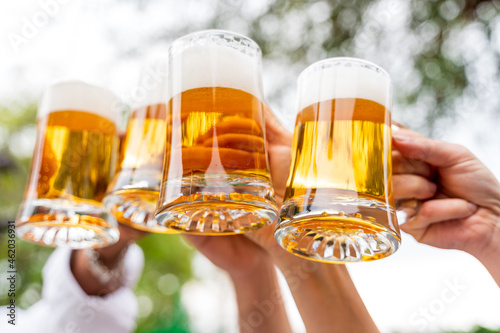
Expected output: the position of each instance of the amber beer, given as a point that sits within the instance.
(349, 136)
(73, 162)
(230, 127)
(216, 178)
(133, 195)
(338, 205)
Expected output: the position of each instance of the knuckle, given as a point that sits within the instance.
(460, 206)
(406, 166)
(421, 187)
(398, 182)
(418, 155)
(462, 151)
(425, 211)
(429, 189)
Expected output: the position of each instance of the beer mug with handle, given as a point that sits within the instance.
(133, 194)
(216, 177)
(338, 205)
(73, 162)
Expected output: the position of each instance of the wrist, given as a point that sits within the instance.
(490, 262)
(298, 270)
(489, 255)
(111, 255)
(486, 245)
(259, 292)
(260, 270)
(285, 260)
(99, 271)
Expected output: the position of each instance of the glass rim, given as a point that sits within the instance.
(344, 77)
(183, 40)
(359, 61)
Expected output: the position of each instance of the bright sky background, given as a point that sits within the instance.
(78, 42)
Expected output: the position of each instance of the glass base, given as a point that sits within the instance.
(135, 208)
(338, 234)
(58, 222)
(218, 204)
(216, 218)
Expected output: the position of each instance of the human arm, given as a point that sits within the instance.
(253, 275)
(464, 211)
(109, 256)
(249, 265)
(324, 293)
(65, 307)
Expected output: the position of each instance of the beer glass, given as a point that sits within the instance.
(73, 162)
(216, 177)
(338, 204)
(133, 194)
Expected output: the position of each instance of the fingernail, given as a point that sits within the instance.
(399, 137)
(472, 207)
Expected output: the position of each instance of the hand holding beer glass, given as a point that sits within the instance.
(338, 205)
(216, 177)
(73, 162)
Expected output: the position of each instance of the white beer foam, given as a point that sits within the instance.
(343, 78)
(79, 96)
(213, 64)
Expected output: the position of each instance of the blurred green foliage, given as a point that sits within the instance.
(29, 261)
(17, 120)
(168, 258)
(428, 55)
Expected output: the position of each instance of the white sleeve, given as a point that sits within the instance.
(65, 307)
